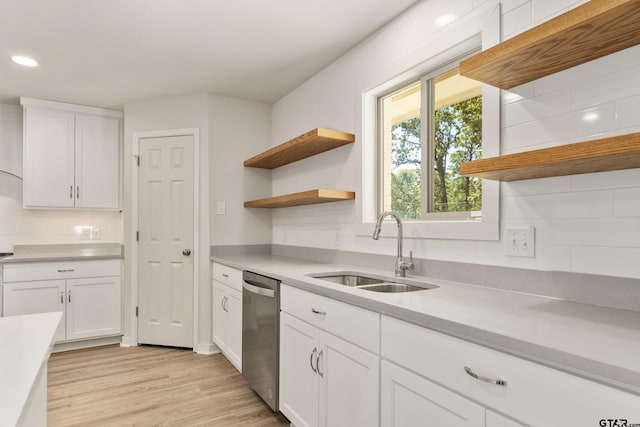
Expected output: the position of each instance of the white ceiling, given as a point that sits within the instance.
(109, 52)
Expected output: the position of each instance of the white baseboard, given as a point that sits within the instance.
(206, 349)
(126, 342)
(76, 345)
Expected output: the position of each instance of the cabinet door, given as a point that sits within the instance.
(35, 297)
(408, 400)
(93, 307)
(234, 327)
(48, 158)
(298, 377)
(219, 316)
(348, 384)
(97, 162)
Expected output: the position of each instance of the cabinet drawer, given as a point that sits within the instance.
(227, 275)
(354, 324)
(59, 270)
(534, 394)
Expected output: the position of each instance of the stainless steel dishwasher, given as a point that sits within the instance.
(261, 335)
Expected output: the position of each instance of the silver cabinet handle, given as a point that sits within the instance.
(71, 191)
(61, 297)
(78, 192)
(69, 294)
(316, 311)
(68, 270)
(315, 350)
(224, 304)
(226, 276)
(318, 364)
(501, 383)
(186, 252)
(265, 292)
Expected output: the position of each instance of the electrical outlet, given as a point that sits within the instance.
(520, 242)
(85, 233)
(96, 233)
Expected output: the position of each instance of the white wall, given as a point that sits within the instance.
(585, 223)
(238, 130)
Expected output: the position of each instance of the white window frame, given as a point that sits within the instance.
(427, 139)
(479, 28)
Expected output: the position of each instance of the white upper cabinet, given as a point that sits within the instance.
(71, 156)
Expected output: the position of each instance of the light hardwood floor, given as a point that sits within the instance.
(148, 386)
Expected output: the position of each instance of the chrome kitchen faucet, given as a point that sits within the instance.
(401, 265)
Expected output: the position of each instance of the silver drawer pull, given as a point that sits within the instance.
(501, 383)
(318, 364)
(315, 311)
(315, 350)
(226, 276)
(66, 271)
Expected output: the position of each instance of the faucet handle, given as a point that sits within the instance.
(408, 265)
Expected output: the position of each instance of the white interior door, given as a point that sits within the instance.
(166, 268)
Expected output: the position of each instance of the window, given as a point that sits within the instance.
(401, 69)
(427, 128)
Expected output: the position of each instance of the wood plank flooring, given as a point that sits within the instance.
(149, 386)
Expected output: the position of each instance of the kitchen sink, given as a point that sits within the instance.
(373, 283)
(351, 279)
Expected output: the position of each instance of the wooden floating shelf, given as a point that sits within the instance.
(589, 31)
(600, 155)
(310, 197)
(306, 145)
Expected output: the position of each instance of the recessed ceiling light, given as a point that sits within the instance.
(24, 60)
(443, 20)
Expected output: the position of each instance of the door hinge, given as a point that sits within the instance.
(137, 236)
(136, 311)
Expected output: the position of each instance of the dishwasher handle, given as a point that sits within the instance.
(270, 293)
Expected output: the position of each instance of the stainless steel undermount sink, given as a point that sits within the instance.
(374, 283)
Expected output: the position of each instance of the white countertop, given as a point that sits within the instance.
(26, 346)
(599, 343)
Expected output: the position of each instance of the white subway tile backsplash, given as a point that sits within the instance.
(588, 204)
(605, 180)
(605, 88)
(612, 261)
(616, 232)
(509, 5)
(627, 112)
(544, 10)
(541, 107)
(517, 20)
(560, 184)
(626, 203)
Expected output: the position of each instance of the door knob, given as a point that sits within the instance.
(186, 252)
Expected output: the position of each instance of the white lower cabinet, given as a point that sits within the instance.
(407, 398)
(91, 306)
(227, 322)
(324, 379)
(227, 312)
(463, 384)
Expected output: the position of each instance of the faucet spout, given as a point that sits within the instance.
(401, 266)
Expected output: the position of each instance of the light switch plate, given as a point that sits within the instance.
(96, 234)
(221, 208)
(520, 242)
(85, 234)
